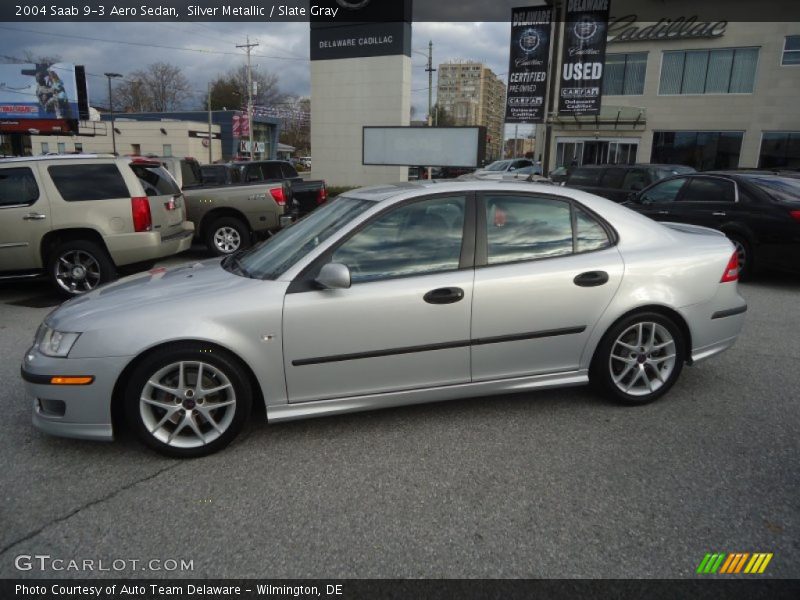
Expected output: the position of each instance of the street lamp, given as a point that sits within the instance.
(111, 109)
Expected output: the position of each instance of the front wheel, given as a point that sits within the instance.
(227, 235)
(79, 266)
(639, 359)
(188, 400)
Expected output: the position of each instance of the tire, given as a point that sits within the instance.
(746, 255)
(186, 423)
(629, 368)
(226, 235)
(79, 266)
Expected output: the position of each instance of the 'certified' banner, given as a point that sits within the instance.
(527, 70)
(585, 30)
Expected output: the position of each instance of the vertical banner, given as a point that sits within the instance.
(527, 69)
(583, 57)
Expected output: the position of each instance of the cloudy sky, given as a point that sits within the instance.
(206, 50)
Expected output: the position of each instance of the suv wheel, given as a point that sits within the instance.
(79, 266)
(227, 235)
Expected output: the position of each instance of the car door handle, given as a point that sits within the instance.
(446, 295)
(662, 212)
(34, 217)
(591, 278)
(719, 214)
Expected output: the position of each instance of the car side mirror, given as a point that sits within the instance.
(334, 276)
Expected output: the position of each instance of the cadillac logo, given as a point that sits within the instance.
(352, 4)
(585, 28)
(529, 41)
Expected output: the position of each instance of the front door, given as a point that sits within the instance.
(546, 269)
(405, 321)
(24, 219)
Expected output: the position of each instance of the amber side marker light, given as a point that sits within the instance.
(83, 380)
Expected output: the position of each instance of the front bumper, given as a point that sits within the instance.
(76, 411)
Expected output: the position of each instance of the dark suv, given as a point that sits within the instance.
(618, 182)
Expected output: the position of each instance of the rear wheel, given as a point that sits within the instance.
(639, 359)
(187, 401)
(744, 254)
(79, 266)
(227, 235)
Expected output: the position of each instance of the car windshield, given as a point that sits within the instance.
(275, 256)
(498, 165)
(785, 187)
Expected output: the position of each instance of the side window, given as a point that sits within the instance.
(18, 186)
(663, 192)
(589, 233)
(613, 178)
(585, 177)
(635, 180)
(709, 189)
(88, 182)
(526, 228)
(415, 239)
(253, 173)
(271, 171)
(289, 171)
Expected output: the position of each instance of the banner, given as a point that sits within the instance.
(527, 69)
(583, 56)
(38, 91)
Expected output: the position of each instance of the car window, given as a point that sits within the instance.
(663, 192)
(288, 171)
(156, 181)
(635, 180)
(613, 178)
(213, 175)
(589, 233)
(415, 239)
(18, 186)
(585, 176)
(253, 173)
(519, 164)
(709, 189)
(498, 165)
(526, 228)
(271, 171)
(190, 173)
(88, 182)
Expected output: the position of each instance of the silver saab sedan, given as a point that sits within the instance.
(390, 295)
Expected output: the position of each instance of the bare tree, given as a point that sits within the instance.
(157, 88)
(230, 91)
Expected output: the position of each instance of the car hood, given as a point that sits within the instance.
(191, 284)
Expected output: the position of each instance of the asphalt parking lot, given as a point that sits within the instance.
(551, 484)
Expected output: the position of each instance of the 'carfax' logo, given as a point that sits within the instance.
(734, 563)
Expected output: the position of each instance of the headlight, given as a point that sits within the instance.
(55, 343)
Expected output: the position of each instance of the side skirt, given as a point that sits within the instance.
(337, 406)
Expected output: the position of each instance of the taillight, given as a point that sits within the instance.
(142, 220)
(322, 195)
(278, 196)
(795, 214)
(732, 270)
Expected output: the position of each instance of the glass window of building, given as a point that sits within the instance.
(78, 147)
(702, 150)
(45, 147)
(62, 147)
(780, 149)
(624, 74)
(721, 71)
(791, 50)
(166, 150)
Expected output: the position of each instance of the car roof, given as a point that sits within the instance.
(639, 165)
(39, 158)
(410, 189)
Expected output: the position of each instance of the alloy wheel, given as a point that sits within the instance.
(642, 358)
(77, 272)
(227, 240)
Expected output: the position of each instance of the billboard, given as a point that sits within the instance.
(38, 91)
(429, 146)
(583, 57)
(527, 69)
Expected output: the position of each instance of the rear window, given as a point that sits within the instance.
(585, 176)
(18, 186)
(156, 181)
(213, 175)
(289, 171)
(190, 173)
(88, 182)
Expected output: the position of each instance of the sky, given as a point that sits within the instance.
(207, 50)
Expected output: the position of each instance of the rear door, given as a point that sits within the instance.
(706, 200)
(24, 218)
(657, 201)
(586, 179)
(165, 198)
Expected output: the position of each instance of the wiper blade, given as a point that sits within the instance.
(234, 264)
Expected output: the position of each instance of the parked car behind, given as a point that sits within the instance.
(759, 212)
(392, 295)
(220, 174)
(510, 164)
(186, 170)
(78, 218)
(306, 194)
(616, 182)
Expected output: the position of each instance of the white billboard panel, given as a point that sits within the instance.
(424, 146)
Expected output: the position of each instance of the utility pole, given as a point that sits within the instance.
(209, 123)
(555, 78)
(430, 71)
(111, 110)
(248, 47)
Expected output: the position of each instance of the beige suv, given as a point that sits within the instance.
(78, 218)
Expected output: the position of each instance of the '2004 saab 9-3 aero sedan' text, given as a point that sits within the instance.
(387, 296)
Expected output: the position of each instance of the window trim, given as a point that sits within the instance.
(36, 183)
(784, 51)
(482, 238)
(709, 50)
(690, 176)
(305, 279)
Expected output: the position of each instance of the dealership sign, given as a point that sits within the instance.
(38, 91)
(527, 70)
(625, 29)
(583, 56)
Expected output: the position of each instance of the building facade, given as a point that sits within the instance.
(724, 100)
(474, 95)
